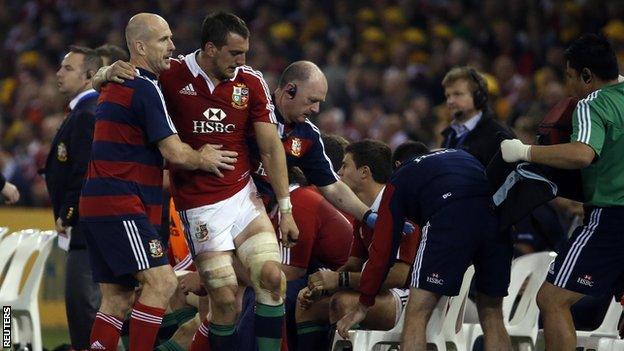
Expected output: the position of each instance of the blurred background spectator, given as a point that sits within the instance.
(384, 60)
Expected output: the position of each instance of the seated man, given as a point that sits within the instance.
(448, 195)
(365, 169)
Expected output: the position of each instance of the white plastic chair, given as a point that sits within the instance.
(600, 338)
(3, 231)
(533, 269)
(607, 344)
(444, 316)
(9, 244)
(24, 302)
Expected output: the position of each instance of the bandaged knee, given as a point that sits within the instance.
(218, 272)
(253, 253)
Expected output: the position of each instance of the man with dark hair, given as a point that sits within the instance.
(111, 53)
(596, 148)
(213, 96)
(335, 148)
(406, 151)
(473, 128)
(365, 169)
(448, 195)
(218, 26)
(64, 171)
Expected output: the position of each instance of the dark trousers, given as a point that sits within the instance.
(82, 298)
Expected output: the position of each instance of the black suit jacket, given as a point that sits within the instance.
(67, 163)
(484, 140)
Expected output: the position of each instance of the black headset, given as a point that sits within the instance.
(480, 95)
(292, 91)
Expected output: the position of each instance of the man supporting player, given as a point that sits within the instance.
(448, 195)
(122, 195)
(365, 169)
(301, 89)
(213, 97)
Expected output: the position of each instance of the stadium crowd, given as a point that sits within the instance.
(396, 80)
(384, 60)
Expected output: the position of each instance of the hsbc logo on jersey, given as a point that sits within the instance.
(214, 123)
(215, 114)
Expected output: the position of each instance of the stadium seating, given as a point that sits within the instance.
(527, 274)
(20, 285)
(440, 330)
(602, 338)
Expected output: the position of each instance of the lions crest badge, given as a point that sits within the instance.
(240, 96)
(201, 232)
(155, 248)
(295, 147)
(61, 152)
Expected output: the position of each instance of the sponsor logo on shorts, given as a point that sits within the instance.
(434, 278)
(155, 248)
(201, 232)
(586, 280)
(447, 195)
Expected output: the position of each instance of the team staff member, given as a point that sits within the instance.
(121, 200)
(213, 97)
(448, 195)
(65, 169)
(473, 128)
(301, 89)
(591, 262)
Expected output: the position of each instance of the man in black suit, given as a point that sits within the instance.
(473, 128)
(65, 169)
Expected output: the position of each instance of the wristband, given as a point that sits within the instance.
(284, 205)
(343, 279)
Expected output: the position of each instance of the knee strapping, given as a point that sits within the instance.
(219, 272)
(253, 253)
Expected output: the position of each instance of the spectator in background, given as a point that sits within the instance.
(64, 171)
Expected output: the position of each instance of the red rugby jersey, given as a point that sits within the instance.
(222, 114)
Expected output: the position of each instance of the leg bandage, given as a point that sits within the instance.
(218, 272)
(253, 253)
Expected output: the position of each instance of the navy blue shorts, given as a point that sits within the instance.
(462, 233)
(118, 250)
(592, 260)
